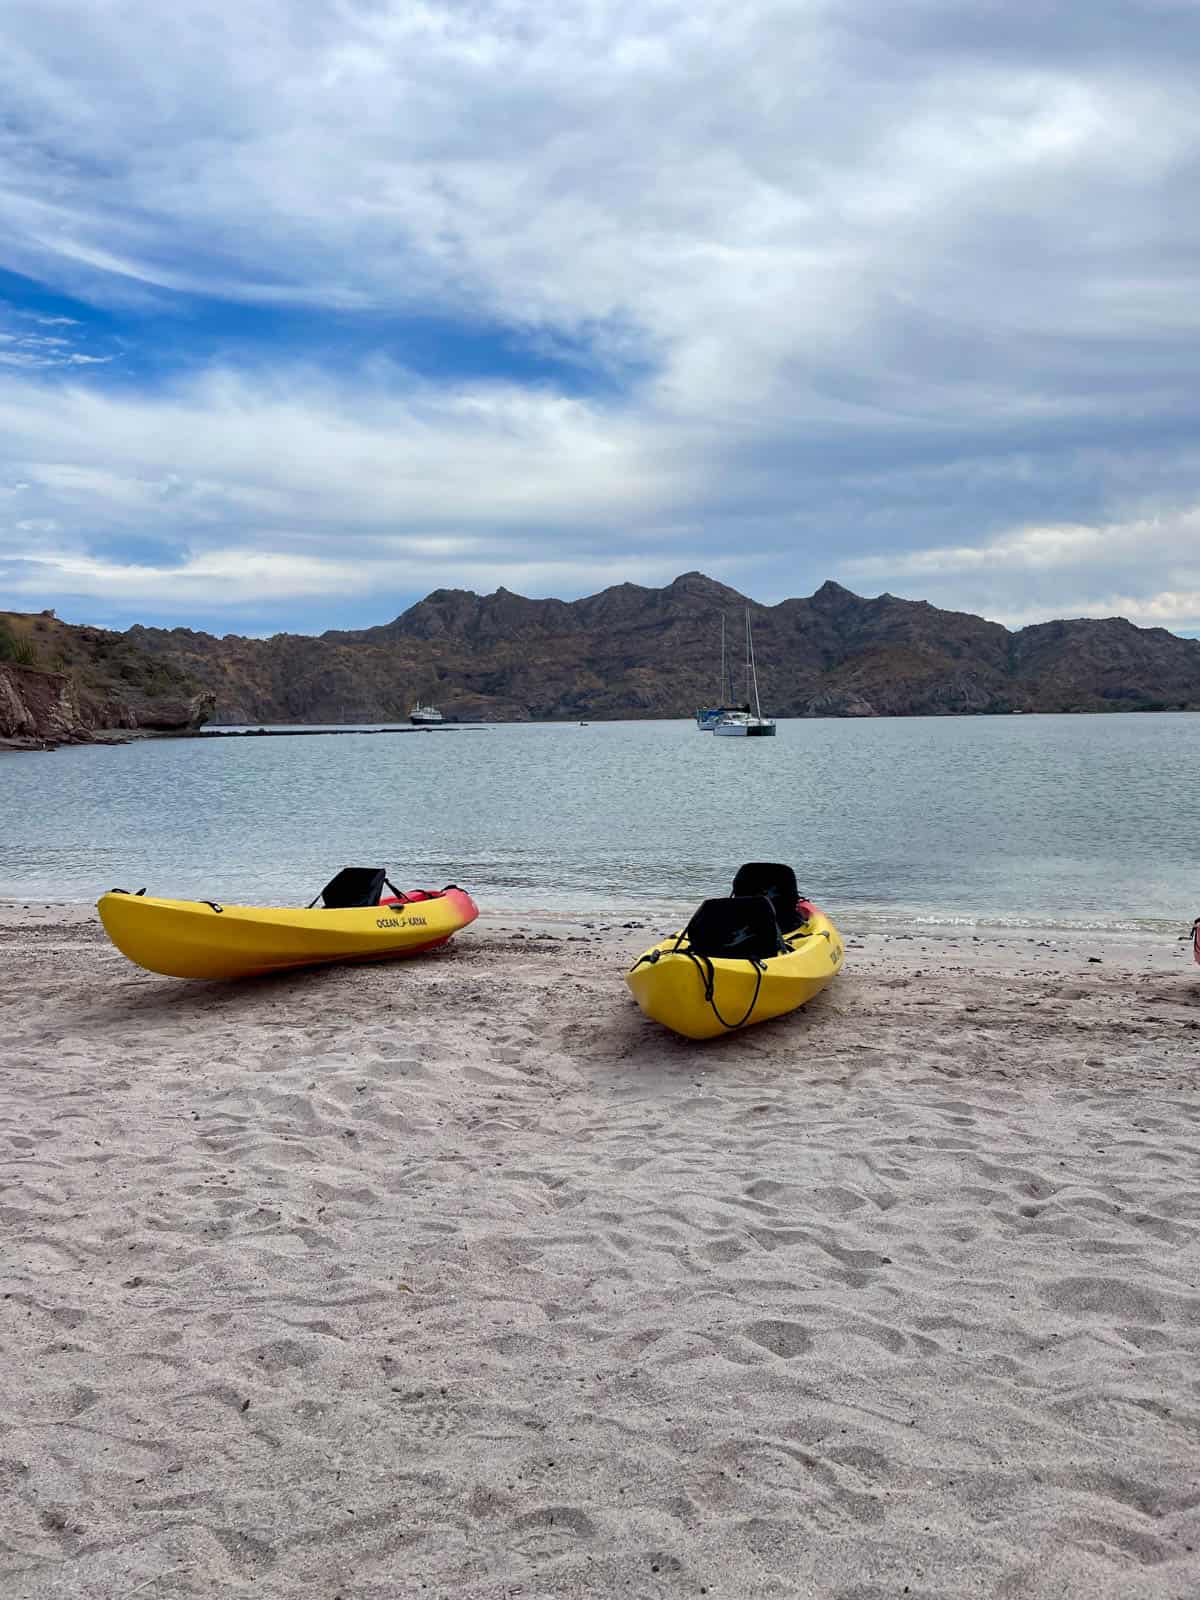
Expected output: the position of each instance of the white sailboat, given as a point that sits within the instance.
(746, 724)
(707, 717)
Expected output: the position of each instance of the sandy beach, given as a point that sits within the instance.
(459, 1278)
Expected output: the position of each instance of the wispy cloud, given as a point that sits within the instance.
(48, 322)
(22, 347)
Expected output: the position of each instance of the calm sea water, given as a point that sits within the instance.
(1043, 821)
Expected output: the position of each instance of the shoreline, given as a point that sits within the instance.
(124, 736)
(664, 915)
(34, 744)
(945, 956)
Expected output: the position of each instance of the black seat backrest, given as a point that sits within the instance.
(741, 927)
(777, 882)
(353, 886)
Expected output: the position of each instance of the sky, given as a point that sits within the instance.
(308, 307)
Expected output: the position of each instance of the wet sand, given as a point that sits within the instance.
(458, 1277)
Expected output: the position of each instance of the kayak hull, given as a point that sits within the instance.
(669, 985)
(195, 939)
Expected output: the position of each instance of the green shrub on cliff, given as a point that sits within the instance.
(21, 652)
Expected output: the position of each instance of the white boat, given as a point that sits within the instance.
(707, 717)
(744, 724)
(425, 716)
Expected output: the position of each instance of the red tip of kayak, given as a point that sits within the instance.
(467, 908)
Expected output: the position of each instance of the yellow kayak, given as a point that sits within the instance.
(203, 939)
(702, 995)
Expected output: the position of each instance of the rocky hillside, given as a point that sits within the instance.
(630, 652)
(61, 684)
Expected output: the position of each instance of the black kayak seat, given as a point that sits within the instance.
(777, 883)
(353, 886)
(741, 927)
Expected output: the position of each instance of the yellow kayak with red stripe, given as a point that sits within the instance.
(204, 939)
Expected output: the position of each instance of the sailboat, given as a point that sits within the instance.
(707, 717)
(744, 724)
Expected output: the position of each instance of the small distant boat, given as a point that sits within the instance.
(354, 922)
(707, 717)
(425, 716)
(742, 723)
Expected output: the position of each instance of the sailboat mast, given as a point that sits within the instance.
(724, 669)
(751, 668)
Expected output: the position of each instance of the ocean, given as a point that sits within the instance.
(1037, 821)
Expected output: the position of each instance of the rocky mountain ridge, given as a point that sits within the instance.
(631, 651)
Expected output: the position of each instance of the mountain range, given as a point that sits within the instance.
(639, 652)
(626, 652)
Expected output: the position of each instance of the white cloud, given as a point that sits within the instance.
(330, 490)
(1178, 612)
(236, 579)
(1147, 569)
(369, 456)
(895, 280)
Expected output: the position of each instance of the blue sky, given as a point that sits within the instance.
(313, 308)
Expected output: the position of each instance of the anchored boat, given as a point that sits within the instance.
(741, 723)
(707, 717)
(353, 922)
(425, 716)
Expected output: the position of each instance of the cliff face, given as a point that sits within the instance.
(632, 651)
(63, 685)
(38, 708)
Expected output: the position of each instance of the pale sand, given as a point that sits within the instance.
(459, 1278)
